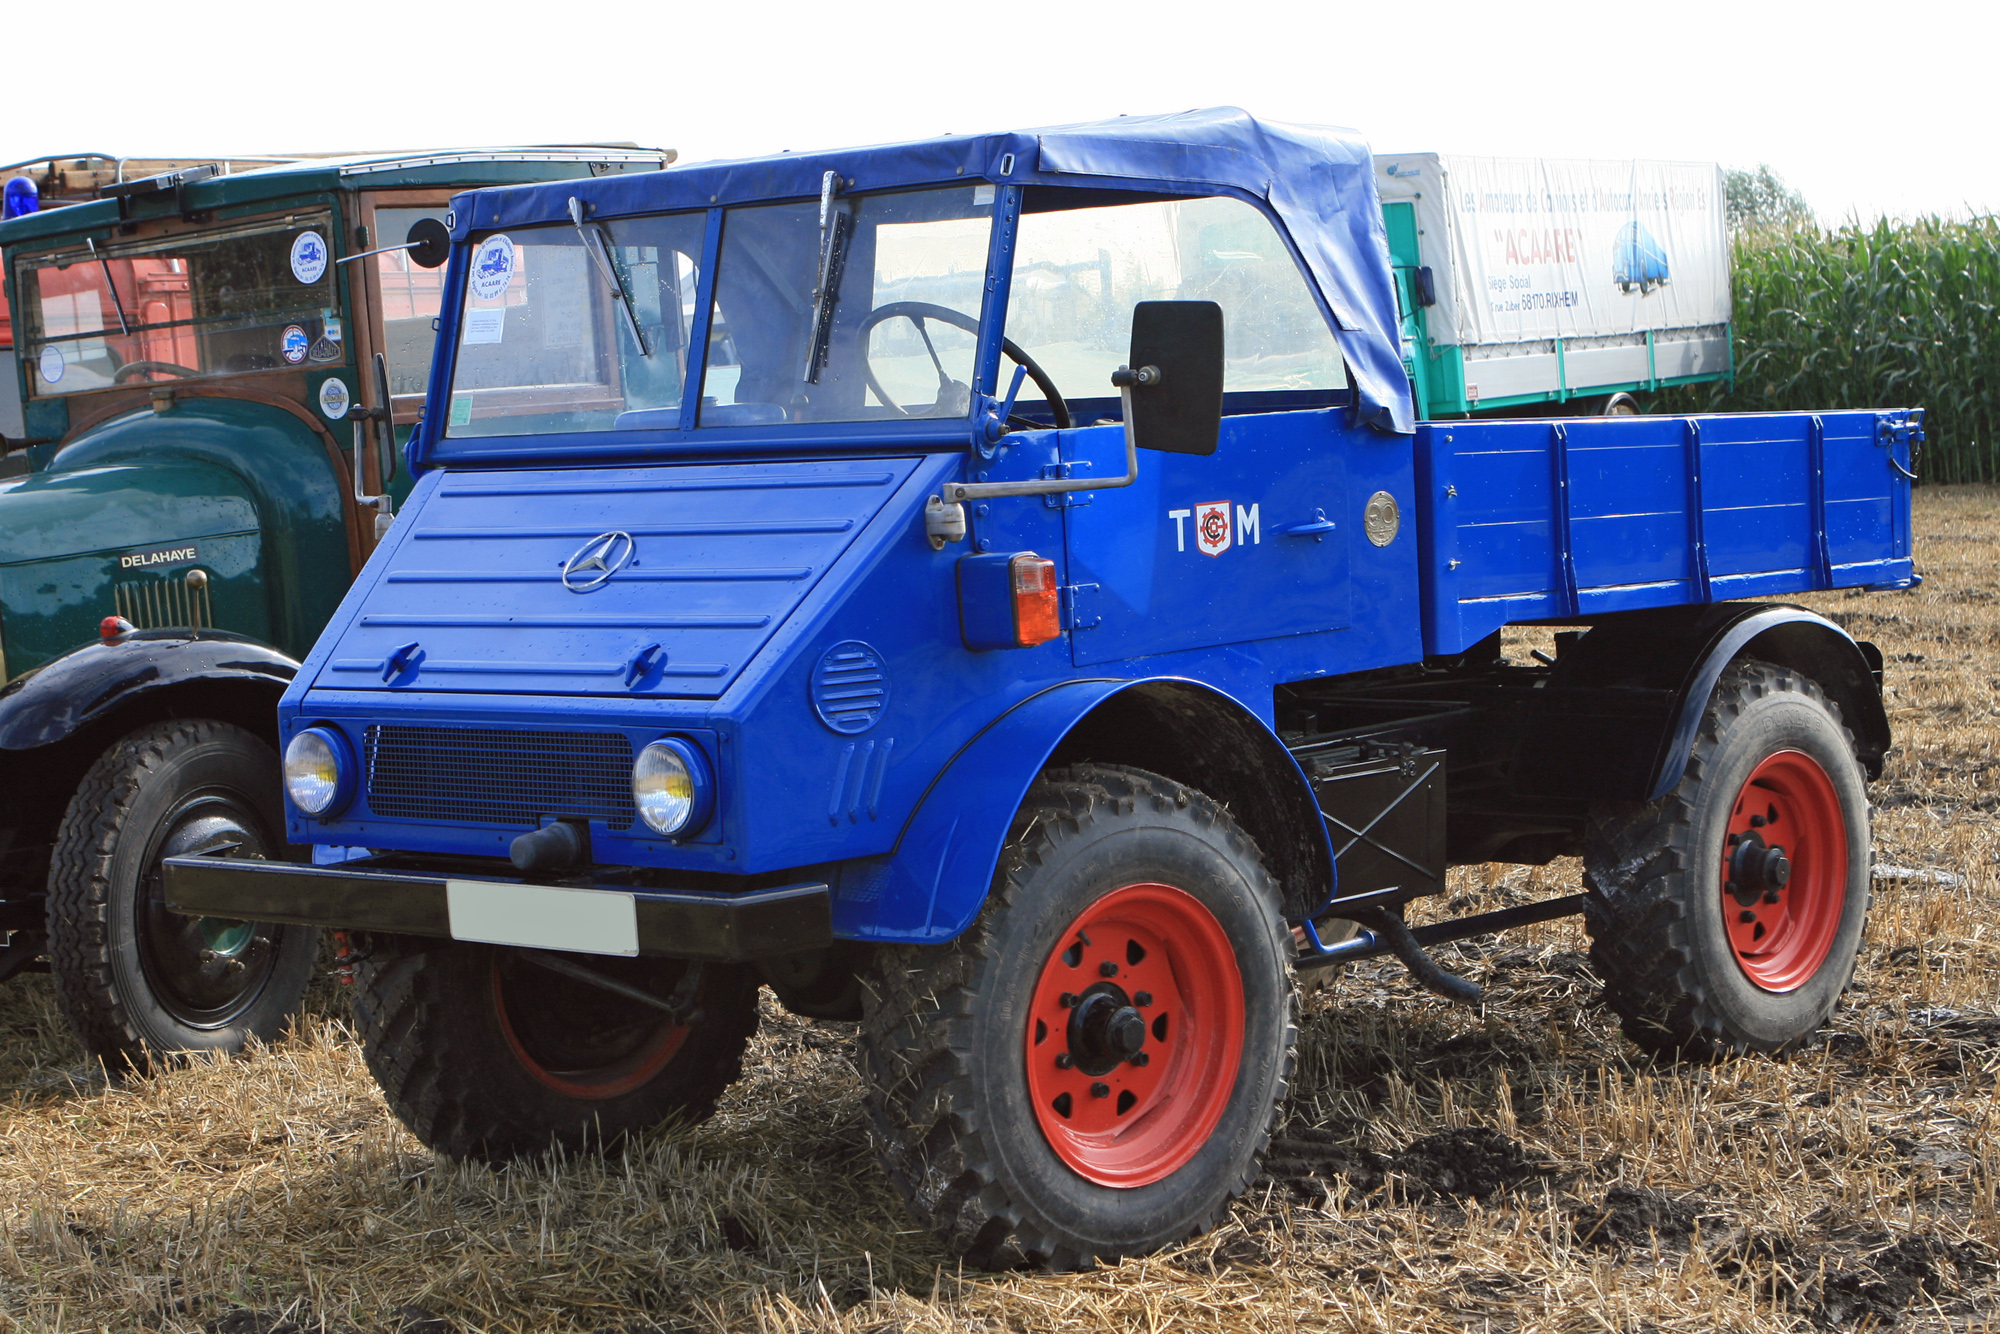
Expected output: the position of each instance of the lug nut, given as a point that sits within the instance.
(1141, 1058)
(1069, 1000)
(1143, 998)
(1064, 1060)
(1746, 917)
(1771, 896)
(1107, 969)
(1100, 1090)
(208, 956)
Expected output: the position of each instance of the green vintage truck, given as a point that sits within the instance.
(211, 367)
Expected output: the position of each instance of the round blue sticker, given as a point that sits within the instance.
(294, 344)
(308, 257)
(492, 267)
(51, 364)
(334, 399)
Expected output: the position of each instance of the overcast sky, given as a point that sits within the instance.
(1865, 109)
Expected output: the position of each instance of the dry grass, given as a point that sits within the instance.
(1851, 1188)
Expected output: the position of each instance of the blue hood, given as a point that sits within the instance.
(1320, 182)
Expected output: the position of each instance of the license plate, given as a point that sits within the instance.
(587, 921)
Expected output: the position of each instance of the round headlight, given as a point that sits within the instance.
(671, 787)
(318, 773)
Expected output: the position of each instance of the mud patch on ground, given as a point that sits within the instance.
(1636, 1216)
(1888, 1282)
(1312, 1163)
(1465, 1163)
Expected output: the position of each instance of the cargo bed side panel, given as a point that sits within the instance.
(1542, 520)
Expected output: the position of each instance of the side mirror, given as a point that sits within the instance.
(1174, 382)
(429, 243)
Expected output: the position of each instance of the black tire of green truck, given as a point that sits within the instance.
(487, 1057)
(135, 980)
(1672, 928)
(952, 1073)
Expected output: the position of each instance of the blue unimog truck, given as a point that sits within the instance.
(993, 588)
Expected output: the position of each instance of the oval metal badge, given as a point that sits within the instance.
(597, 560)
(1381, 519)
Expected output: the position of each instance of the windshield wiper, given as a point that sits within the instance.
(116, 304)
(836, 229)
(599, 246)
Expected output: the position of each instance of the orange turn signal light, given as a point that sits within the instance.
(1037, 603)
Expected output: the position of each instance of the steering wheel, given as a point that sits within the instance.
(132, 368)
(916, 312)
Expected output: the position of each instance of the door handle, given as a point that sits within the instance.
(1316, 527)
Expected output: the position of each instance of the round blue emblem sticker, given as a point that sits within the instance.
(492, 267)
(51, 364)
(294, 344)
(334, 399)
(308, 257)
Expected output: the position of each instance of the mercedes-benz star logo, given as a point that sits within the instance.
(596, 561)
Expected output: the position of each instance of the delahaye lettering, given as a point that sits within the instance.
(139, 560)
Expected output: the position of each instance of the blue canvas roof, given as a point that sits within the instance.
(1319, 181)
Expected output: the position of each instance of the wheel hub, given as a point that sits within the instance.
(1756, 868)
(1782, 902)
(1134, 1035)
(1105, 1030)
(203, 970)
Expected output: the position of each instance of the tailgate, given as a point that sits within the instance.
(618, 581)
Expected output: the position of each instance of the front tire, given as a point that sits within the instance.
(1092, 1069)
(485, 1056)
(1727, 916)
(134, 979)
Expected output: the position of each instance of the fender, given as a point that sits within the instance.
(934, 883)
(61, 698)
(1618, 716)
(1848, 670)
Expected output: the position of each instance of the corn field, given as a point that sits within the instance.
(1900, 314)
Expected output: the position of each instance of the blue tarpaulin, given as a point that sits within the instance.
(1320, 183)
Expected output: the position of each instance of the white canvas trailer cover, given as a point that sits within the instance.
(1555, 277)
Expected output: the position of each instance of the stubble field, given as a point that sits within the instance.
(1519, 1167)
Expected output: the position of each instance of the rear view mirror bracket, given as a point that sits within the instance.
(1176, 366)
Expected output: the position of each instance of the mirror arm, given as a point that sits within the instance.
(1125, 379)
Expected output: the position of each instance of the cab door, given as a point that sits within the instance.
(1247, 543)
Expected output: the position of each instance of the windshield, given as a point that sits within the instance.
(254, 298)
(546, 343)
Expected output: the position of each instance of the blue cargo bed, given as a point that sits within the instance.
(1547, 519)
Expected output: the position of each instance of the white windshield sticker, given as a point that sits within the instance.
(334, 400)
(309, 258)
(294, 344)
(52, 364)
(492, 267)
(484, 326)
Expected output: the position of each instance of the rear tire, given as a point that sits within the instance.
(1016, 1129)
(1726, 917)
(134, 979)
(485, 1056)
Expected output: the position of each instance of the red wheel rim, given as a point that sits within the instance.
(1782, 919)
(1130, 1120)
(608, 1080)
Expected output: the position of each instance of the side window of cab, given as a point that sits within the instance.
(1079, 271)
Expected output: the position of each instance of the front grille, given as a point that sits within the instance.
(498, 775)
